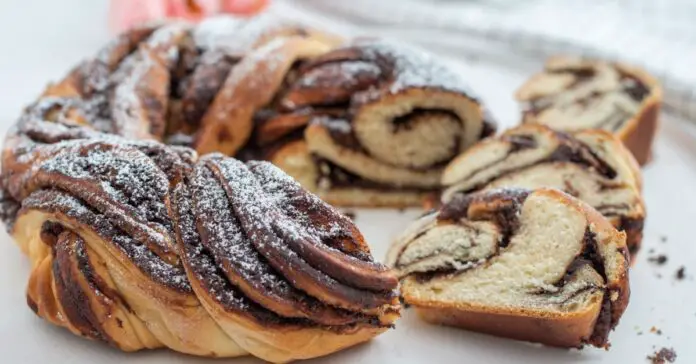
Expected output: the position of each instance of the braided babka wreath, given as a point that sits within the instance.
(137, 241)
(142, 244)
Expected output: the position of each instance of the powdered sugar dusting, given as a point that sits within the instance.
(165, 42)
(248, 69)
(235, 36)
(316, 218)
(143, 258)
(127, 105)
(223, 235)
(349, 74)
(121, 183)
(414, 68)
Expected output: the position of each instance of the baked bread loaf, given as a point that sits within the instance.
(401, 117)
(364, 123)
(533, 265)
(592, 165)
(145, 245)
(573, 94)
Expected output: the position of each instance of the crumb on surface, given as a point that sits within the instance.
(681, 273)
(663, 356)
(351, 214)
(663, 238)
(658, 259)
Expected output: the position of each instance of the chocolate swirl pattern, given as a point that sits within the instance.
(365, 122)
(534, 265)
(574, 94)
(392, 117)
(144, 245)
(591, 165)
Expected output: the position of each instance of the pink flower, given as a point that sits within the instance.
(127, 13)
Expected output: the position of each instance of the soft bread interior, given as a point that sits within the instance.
(591, 165)
(497, 156)
(523, 276)
(574, 94)
(579, 182)
(294, 158)
(423, 139)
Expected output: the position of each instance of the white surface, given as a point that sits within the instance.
(42, 39)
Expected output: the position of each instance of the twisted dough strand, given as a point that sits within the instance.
(143, 245)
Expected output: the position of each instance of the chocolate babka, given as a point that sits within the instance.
(144, 245)
(573, 94)
(364, 122)
(533, 265)
(393, 117)
(591, 165)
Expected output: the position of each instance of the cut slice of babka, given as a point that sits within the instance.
(591, 165)
(574, 94)
(534, 265)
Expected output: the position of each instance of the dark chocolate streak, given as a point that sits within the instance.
(635, 88)
(631, 85)
(570, 150)
(472, 244)
(213, 279)
(341, 178)
(73, 299)
(591, 256)
(573, 150)
(501, 206)
(634, 230)
(520, 142)
(342, 133)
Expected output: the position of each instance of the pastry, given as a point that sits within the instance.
(366, 122)
(591, 165)
(574, 94)
(144, 245)
(533, 265)
(401, 117)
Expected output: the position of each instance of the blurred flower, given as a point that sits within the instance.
(124, 14)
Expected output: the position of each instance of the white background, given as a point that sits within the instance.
(40, 40)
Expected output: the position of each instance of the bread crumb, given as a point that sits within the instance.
(681, 274)
(658, 259)
(655, 330)
(662, 356)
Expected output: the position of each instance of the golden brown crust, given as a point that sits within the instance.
(566, 331)
(228, 123)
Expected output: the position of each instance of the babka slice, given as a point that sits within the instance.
(574, 94)
(591, 165)
(534, 265)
